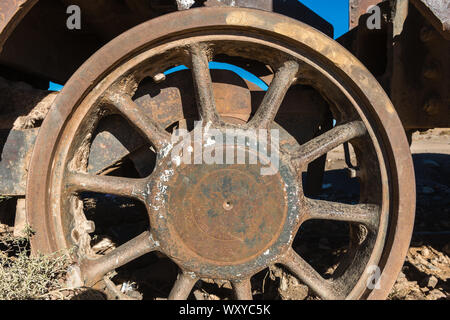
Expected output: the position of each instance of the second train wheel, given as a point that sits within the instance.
(227, 222)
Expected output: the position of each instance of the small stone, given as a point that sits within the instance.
(425, 253)
(284, 284)
(424, 289)
(401, 288)
(435, 261)
(199, 295)
(401, 276)
(421, 261)
(436, 295)
(431, 282)
(160, 77)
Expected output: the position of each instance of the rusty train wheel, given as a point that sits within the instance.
(254, 224)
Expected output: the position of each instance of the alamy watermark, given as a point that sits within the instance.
(73, 22)
(206, 145)
(374, 20)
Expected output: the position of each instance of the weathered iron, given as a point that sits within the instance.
(216, 198)
(415, 51)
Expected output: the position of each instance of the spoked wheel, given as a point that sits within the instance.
(227, 221)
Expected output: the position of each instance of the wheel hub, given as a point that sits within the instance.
(232, 213)
(229, 209)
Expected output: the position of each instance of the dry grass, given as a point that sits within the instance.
(24, 276)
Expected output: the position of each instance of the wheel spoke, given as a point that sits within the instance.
(203, 84)
(126, 187)
(183, 286)
(304, 272)
(243, 289)
(366, 214)
(274, 96)
(158, 137)
(326, 142)
(94, 270)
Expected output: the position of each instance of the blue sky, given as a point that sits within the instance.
(334, 11)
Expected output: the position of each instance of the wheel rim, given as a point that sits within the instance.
(360, 108)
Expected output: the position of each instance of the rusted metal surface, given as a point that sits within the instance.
(219, 214)
(421, 74)
(216, 198)
(15, 156)
(437, 13)
(243, 290)
(58, 57)
(183, 286)
(410, 58)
